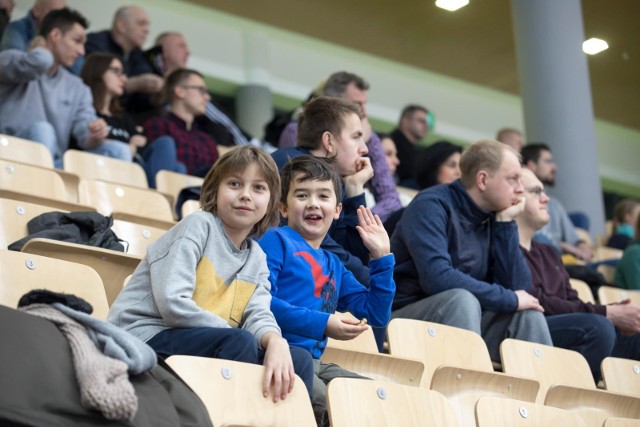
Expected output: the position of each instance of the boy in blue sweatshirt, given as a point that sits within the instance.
(309, 284)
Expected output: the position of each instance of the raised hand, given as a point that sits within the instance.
(372, 233)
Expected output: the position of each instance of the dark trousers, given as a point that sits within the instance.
(226, 343)
(591, 335)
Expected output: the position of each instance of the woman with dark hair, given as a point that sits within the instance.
(104, 74)
(438, 164)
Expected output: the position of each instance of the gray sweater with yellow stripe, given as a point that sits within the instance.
(194, 276)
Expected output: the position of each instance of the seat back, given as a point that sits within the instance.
(610, 295)
(621, 375)
(548, 365)
(583, 290)
(14, 216)
(609, 273)
(22, 272)
(232, 393)
(354, 402)
(499, 412)
(137, 237)
(108, 198)
(621, 422)
(94, 166)
(25, 151)
(32, 180)
(435, 344)
(171, 183)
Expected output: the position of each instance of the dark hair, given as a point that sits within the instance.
(63, 19)
(310, 168)
(175, 79)
(412, 108)
(531, 152)
(337, 83)
(323, 114)
(623, 208)
(236, 161)
(92, 74)
(429, 161)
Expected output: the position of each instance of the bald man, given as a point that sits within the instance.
(128, 33)
(19, 33)
(511, 137)
(595, 331)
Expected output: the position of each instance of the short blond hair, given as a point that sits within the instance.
(484, 155)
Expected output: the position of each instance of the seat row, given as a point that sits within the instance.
(424, 357)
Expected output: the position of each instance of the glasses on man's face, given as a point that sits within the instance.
(537, 190)
(117, 71)
(201, 89)
(548, 161)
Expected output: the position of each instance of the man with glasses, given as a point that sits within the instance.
(413, 127)
(457, 257)
(187, 95)
(593, 330)
(559, 231)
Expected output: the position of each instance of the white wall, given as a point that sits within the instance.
(224, 46)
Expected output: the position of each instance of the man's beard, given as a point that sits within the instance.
(548, 181)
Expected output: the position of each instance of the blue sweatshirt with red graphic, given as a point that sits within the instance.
(309, 284)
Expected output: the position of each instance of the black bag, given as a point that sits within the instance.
(88, 228)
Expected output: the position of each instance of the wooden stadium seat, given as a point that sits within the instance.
(583, 290)
(361, 355)
(129, 203)
(610, 295)
(609, 273)
(409, 192)
(112, 266)
(603, 253)
(21, 273)
(354, 402)
(24, 151)
(457, 364)
(94, 166)
(15, 214)
(566, 381)
(621, 375)
(189, 207)
(137, 237)
(31, 180)
(171, 183)
(584, 235)
(621, 422)
(232, 393)
(498, 412)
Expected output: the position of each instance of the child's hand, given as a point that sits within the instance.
(278, 372)
(341, 328)
(372, 233)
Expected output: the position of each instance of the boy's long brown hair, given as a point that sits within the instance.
(236, 161)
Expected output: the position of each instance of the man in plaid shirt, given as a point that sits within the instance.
(187, 95)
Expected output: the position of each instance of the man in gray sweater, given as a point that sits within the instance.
(41, 101)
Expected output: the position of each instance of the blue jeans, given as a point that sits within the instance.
(590, 334)
(226, 343)
(45, 134)
(115, 149)
(160, 155)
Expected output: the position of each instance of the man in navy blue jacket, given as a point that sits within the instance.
(457, 257)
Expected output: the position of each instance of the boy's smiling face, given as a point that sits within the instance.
(311, 208)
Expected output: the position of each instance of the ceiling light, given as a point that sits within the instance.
(593, 46)
(451, 5)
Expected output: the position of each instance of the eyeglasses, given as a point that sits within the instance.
(116, 70)
(201, 89)
(548, 161)
(538, 191)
